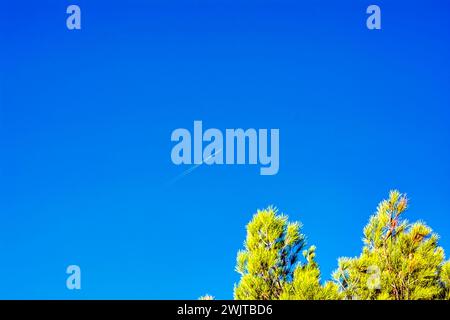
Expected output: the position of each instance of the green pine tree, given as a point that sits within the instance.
(445, 280)
(399, 260)
(270, 265)
(306, 284)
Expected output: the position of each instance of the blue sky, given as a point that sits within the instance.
(86, 118)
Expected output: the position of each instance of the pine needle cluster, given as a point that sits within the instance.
(399, 260)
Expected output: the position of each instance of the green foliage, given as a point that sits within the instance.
(269, 265)
(399, 260)
(445, 281)
(305, 283)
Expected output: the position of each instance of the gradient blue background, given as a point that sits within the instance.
(86, 118)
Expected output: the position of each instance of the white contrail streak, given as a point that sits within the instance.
(191, 169)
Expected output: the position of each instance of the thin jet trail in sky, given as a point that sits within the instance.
(191, 169)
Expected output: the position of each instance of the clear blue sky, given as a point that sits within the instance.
(86, 118)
